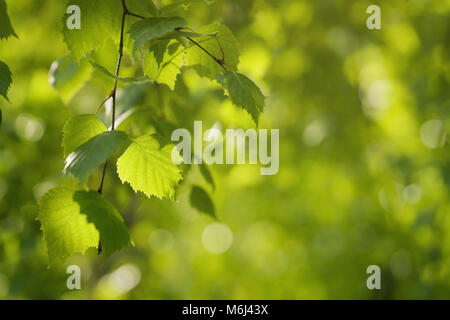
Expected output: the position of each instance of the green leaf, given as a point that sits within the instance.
(222, 45)
(206, 173)
(243, 92)
(158, 49)
(151, 28)
(91, 154)
(1, 118)
(110, 75)
(201, 201)
(73, 221)
(6, 28)
(67, 77)
(180, 6)
(80, 129)
(5, 79)
(100, 21)
(164, 70)
(149, 168)
(142, 7)
(177, 34)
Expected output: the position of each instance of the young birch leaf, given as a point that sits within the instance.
(180, 6)
(100, 21)
(67, 77)
(151, 28)
(243, 92)
(158, 50)
(110, 75)
(6, 28)
(201, 201)
(149, 168)
(167, 70)
(5, 79)
(73, 221)
(177, 34)
(222, 45)
(91, 154)
(142, 7)
(79, 130)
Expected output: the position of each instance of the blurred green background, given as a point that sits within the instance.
(364, 118)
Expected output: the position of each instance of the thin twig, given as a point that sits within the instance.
(104, 101)
(134, 15)
(219, 61)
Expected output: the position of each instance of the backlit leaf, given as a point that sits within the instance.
(67, 77)
(73, 221)
(151, 28)
(100, 21)
(149, 168)
(166, 70)
(243, 92)
(222, 46)
(81, 162)
(80, 129)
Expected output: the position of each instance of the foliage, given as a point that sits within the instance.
(364, 176)
(145, 165)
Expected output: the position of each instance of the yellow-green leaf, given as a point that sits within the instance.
(91, 154)
(222, 46)
(149, 168)
(73, 221)
(79, 130)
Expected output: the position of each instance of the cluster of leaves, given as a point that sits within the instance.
(161, 45)
(6, 30)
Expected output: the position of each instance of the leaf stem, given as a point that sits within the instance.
(221, 62)
(134, 15)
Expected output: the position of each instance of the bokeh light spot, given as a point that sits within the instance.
(217, 238)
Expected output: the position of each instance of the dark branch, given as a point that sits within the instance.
(114, 90)
(134, 15)
(104, 101)
(221, 62)
(113, 96)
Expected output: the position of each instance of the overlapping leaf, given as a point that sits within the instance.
(150, 28)
(80, 129)
(100, 21)
(149, 168)
(243, 93)
(73, 221)
(223, 46)
(81, 162)
(179, 6)
(106, 72)
(67, 77)
(163, 66)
